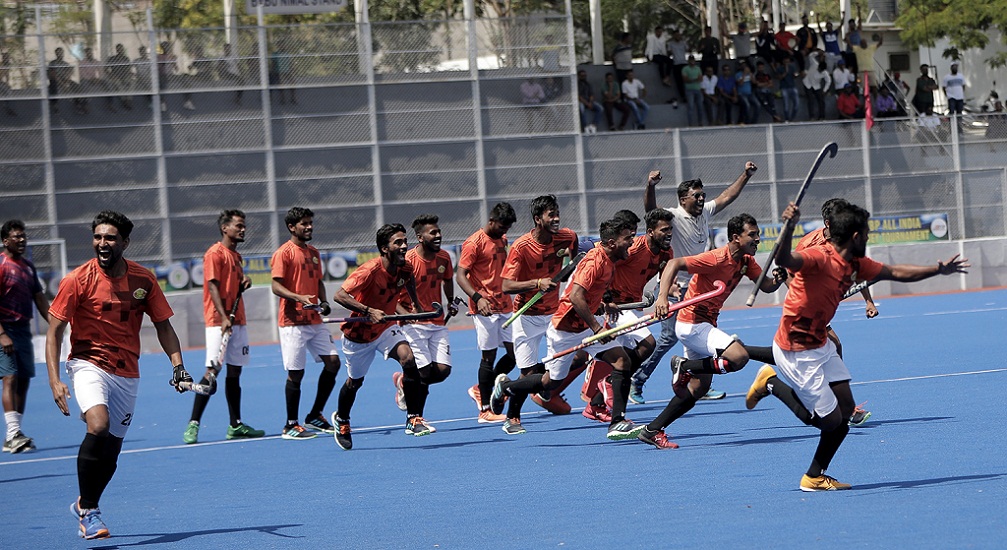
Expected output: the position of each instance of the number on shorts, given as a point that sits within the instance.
(127, 420)
(244, 350)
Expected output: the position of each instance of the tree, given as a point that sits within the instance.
(964, 23)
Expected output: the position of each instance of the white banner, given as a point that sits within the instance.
(294, 6)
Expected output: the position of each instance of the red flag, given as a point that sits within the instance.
(868, 111)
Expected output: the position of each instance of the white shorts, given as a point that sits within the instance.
(358, 357)
(810, 372)
(237, 345)
(294, 341)
(631, 339)
(529, 330)
(702, 340)
(93, 386)
(429, 343)
(490, 333)
(558, 340)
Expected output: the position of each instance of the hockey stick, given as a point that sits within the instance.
(858, 288)
(218, 365)
(438, 310)
(201, 389)
(457, 301)
(560, 277)
(645, 321)
(648, 300)
(832, 149)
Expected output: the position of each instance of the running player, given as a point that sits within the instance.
(428, 339)
(647, 257)
(374, 290)
(574, 321)
(813, 380)
(223, 280)
(19, 290)
(479, 276)
(708, 350)
(691, 236)
(534, 259)
(104, 301)
(297, 280)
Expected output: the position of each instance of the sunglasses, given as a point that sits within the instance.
(699, 195)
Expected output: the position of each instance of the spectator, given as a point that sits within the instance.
(229, 71)
(899, 86)
(746, 93)
(865, 59)
(841, 76)
(693, 77)
(765, 43)
(848, 104)
(764, 91)
(817, 83)
(612, 99)
(120, 76)
(954, 89)
(711, 101)
(552, 87)
(60, 75)
(925, 88)
(657, 53)
(634, 91)
(586, 102)
(742, 43)
(533, 95)
(830, 41)
(785, 42)
(709, 48)
(884, 104)
(787, 73)
(727, 93)
(167, 69)
(807, 41)
(622, 57)
(679, 49)
(5, 88)
(92, 81)
(899, 91)
(141, 66)
(281, 72)
(852, 40)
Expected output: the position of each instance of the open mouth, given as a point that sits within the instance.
(104, 255)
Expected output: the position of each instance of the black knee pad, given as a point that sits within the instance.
(434, 374)
(354, 383)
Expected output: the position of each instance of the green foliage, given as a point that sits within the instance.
(964, 23)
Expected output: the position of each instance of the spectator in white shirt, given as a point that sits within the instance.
(841, 76)
(657, 53)
(710, 99)
(634, 91)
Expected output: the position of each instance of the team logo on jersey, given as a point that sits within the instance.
(853, 277)
(441, 268)
(563, 252)
(139, 294)
(314, 260)
(662, 265)
(744, 268)
(400, 282)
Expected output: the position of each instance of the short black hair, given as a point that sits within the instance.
(225, 218)
(627, 216)
(611, 229)
(503, 212)
(847, 219)
(295, 215)
(736, 225)
(688, 185)
(385, 233)
(543, 204)
(829, 206)
(115, 219)
(9, 226)
(657, 216)
(424, 219)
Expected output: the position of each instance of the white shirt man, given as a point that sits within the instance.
(841, 76)
(632, 88)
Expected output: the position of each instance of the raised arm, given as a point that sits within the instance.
(908, 273)
(731, 193)
(650, 193)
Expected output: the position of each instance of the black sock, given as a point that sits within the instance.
(232, 391)
(486, 379)
(707, 365)
(505, 365)
(828, 444)
(762, 354)
(347, 396)
(620, 394)
(110, 460)
(525, 385)
(293, 394)
(199, 403)
(672, 412)
(326, 382)
(415, 393)
(91, 470)
(514, 405)
(786, 394)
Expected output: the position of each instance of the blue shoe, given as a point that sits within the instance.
(636, 394)
(713, 394)
(497, 400)
(91, 526)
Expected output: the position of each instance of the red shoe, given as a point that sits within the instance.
(605, 387)
(658, 439)
(601, 414)
(476, 396)
(556, 404)
(596, 370)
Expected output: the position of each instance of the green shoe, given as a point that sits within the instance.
(243, 431)
(191, 434)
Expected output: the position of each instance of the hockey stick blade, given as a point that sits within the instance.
(648, 300)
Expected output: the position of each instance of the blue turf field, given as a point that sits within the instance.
(928, 469)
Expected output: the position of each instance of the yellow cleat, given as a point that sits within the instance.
(759, 389)
(822, 483)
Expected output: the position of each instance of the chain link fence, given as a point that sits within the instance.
(378, 123)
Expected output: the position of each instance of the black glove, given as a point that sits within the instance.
(324, 308)
(780, 274)
(178, 376)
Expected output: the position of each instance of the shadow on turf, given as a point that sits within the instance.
(169, 538)
(32, 478)
(912, 484)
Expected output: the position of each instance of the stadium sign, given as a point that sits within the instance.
(287, 7)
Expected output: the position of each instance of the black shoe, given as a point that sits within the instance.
(343, 437)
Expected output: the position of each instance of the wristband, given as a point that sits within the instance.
(476, 297)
